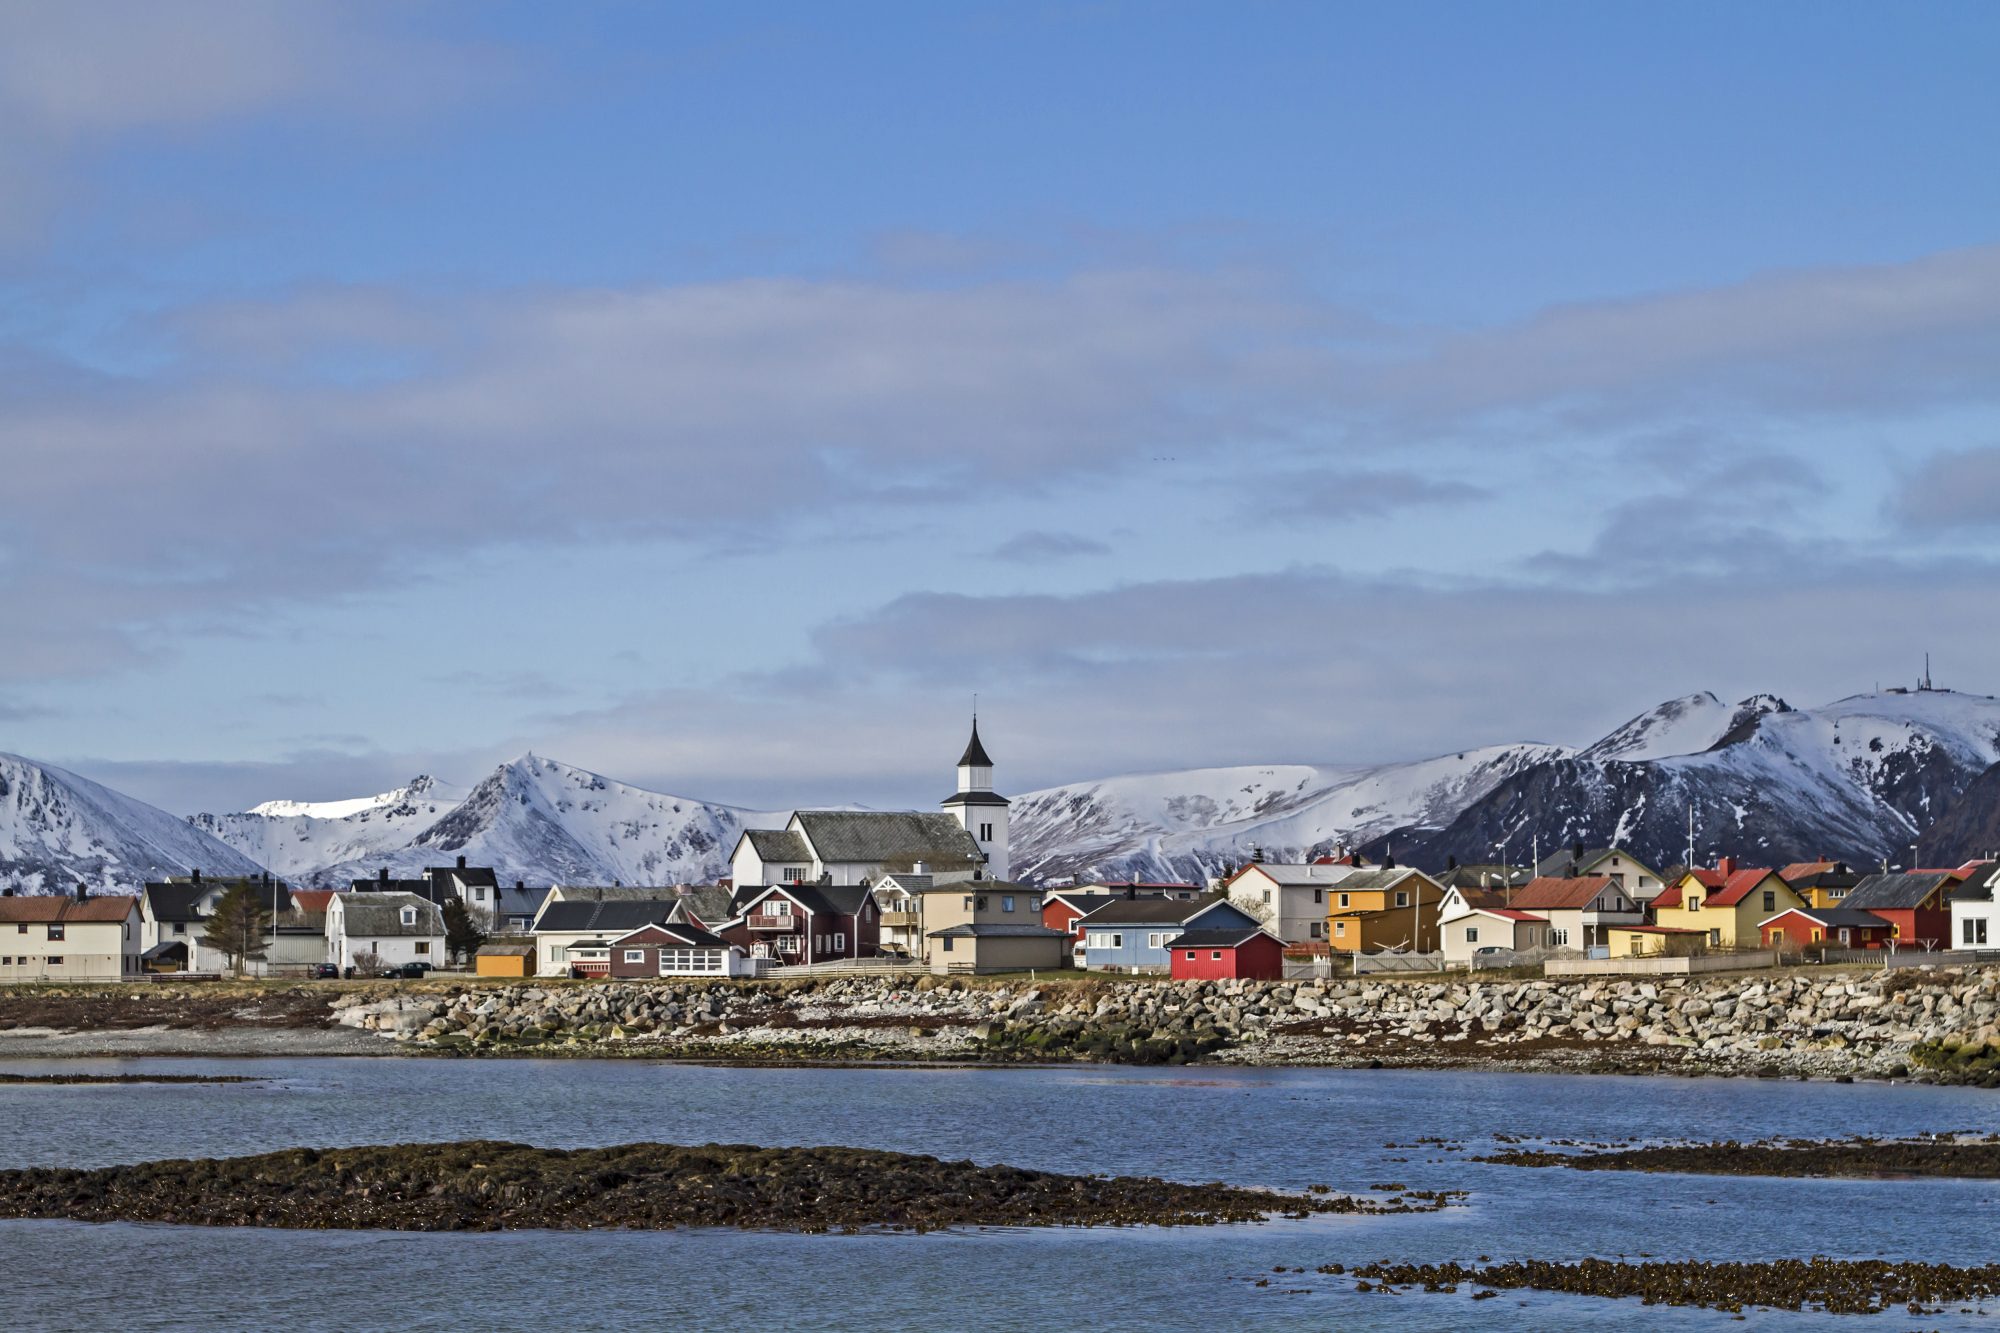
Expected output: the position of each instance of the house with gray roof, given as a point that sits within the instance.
(1638, 880)
(389, 928)
(849, 847)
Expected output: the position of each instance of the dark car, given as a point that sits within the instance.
(325, 972)
(408, 971)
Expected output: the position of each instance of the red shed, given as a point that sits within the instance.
(1227, 954)
(1840, 927)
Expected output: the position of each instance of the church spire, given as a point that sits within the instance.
(975, 753)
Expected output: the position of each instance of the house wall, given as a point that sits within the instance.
(90, 951)
(1986, 914)
(1142, 946)
(1791, 933)
(1000, 954)
(1295, 913)
(983, 902)
(393, 950)
(504, 965)
(1398, 928)
(1912, 926)
(1491, 932)
(1261, 958)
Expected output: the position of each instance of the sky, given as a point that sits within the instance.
(719, 397)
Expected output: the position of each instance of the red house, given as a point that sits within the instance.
(1913, 903)
(672, 949)
(1841, 927)
(806, 923)
(1228, 953)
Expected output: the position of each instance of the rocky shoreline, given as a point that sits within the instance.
(488, 1186)
(1856, 1158)
(1857, 1024)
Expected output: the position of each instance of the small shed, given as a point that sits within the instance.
(1839, 927)
(505, 959)
(1226, 954)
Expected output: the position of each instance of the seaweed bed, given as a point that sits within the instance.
(486, 1186)
(1858, 1157)
(73, 1080)
(1837, 1286)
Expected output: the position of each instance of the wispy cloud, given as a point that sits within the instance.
(1036, 548)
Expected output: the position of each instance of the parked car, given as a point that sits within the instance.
(407, 971)
(325, 972)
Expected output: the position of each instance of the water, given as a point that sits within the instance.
(1285, 1128)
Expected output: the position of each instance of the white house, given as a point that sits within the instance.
(847, 847)
(1288, 900)
(1469, 929)
(49, 937)
(174, 912)
(395, 928)
(1975, 910)
(1634, 878)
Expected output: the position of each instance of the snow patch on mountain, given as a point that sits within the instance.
(298, 840)
(423, 789)
(1687, 725)
(58, 830)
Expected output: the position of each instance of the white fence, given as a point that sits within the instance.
(844, 967)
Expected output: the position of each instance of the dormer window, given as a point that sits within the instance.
(409, 916)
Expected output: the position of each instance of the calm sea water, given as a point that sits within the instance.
(1285, 1128)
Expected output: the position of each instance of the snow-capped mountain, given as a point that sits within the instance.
(1188, 825)
(58, 830)
(1860, 780)
(534, 819)
(296, 840)
(1687, 725)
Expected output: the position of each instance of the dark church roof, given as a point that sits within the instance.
(975, 753)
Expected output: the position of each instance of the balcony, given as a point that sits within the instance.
(891, 919)
(772, 921)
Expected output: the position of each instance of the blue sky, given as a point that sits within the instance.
(719, 396)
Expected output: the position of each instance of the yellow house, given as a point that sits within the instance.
(1372, 910)
(1726, 904)
(1820, 884)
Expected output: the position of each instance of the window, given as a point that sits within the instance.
(1318, 929)
(1319, 896)
(479, 894)
(1343, 900)
(777, 907)
(1715, 938)
(1770, 900)
(1267, 897)
(980, 905)
(1216, 955)
(968, 902)
(635, 955)
(1190, 955)
(21, 930)
(1117, 940)
(868, 911)
(55, 931)
(409, 916)
(423, 946)
(986, 833)
(1402, 898)
(180, 928)
(1559, 937)
(55, 960)
(1817, 936)
(1034, 904)
(1154, 939)
(795, 874)
(1472, 934)
(944, 943)
(1339, 929)
(1975, 930)
(1007, 902)
(1694, 902)
(839, 940)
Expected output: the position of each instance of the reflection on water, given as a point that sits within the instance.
(1284, 1128)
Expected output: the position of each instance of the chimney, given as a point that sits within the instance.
(1725, 865)
(1256, 856)
(1130, 893)
(1388, 863)
(1451, 863)
(1576, 849)
(920, 868)
(82, 892)
(7, 892)
(1840, 867)
(197, 874)
(382, 875)
(520, 884)
(461, 863)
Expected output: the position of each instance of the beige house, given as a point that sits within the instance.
(51, 938)
(988, 925)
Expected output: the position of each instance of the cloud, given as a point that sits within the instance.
(1955, 489)
(1034, 548)
(75, 77)
(1333, 495)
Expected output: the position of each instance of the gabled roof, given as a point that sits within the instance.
(569, 916)
(996, 930)
(1149, 911)
(1545, 893)
(1898, 891)
(819, 899)
(1832, 917)
(173, 901)
(1738, 886)
(1799, 870)
(379, 914)
(63, 909)
(778, 844)
(1565, 862)
(1507, 914)
(423, 888)
(470, 876)
(707, 903)
(892, 838)
(311, 900)
(1220, 937)
(1316, 874)
(1378, 880)
(675, 932)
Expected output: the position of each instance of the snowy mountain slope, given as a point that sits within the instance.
(1687, 725)
(533, 819)
(1189, 824)
(58, 830)
(1858, 779)
(297, 839)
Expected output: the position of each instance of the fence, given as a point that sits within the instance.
(844, 967)
(1658, 965)
(1911, 957)
(1365, 963)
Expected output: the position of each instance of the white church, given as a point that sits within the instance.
(852, 847)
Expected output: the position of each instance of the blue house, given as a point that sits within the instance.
(1131, 934)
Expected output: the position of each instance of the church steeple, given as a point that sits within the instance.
(977, 807)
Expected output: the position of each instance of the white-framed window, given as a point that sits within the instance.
(1154, 939)
(795, 875)
(1117, 940)
(1190, 955)
(839, 940)
(1559, 936)
(180, 928)
(635, 955)
(1975, 930)
(409, 916)
(690, 960)
(1472, 934)
(1339, 929)
(1402, 898)
(1343, 900)
(1006, 902)
(1216, 955)
(1267, 897)
(423, 946)
(479, 893)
